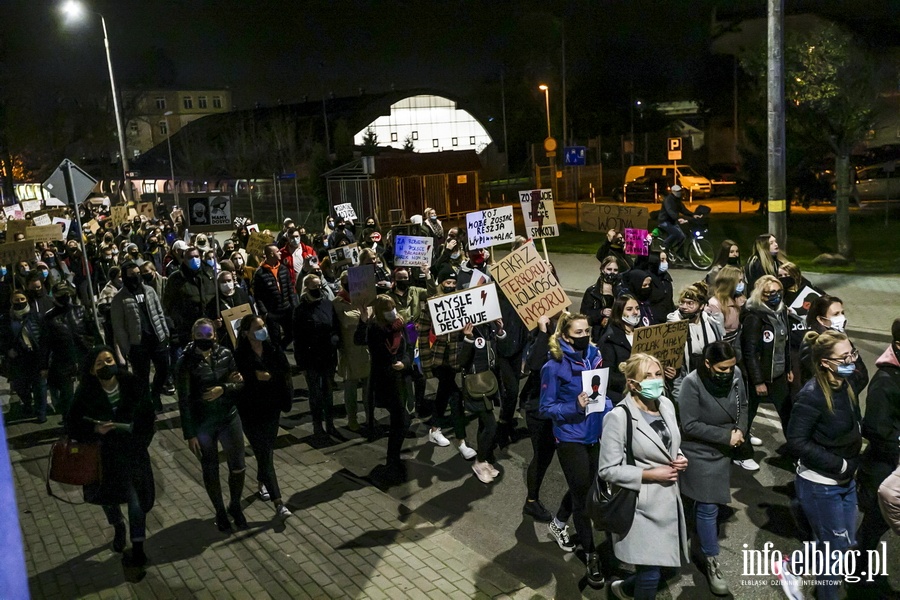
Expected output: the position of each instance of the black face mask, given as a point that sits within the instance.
(722, 377)
(402, 285)
(107, 372)
(63, 300)
(147, 277)
(642, 293)
(132, 282)
(35, 294)
(581, 343)
(315, 294)
(719, 384)
(734, 260)
(611, 278)
(448, 289)
(687, 316)
(787, 282)
(204, 344)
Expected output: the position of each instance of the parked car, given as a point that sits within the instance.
(645, 189)
(878, 182)
(697, 185)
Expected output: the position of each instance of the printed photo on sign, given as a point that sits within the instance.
(538, 213)
(64, 224)
(487, 228)
(636, 242)
(594, 384)
(345, 211)
(361, 281)
(253, 228)
(344, 255)
(452, 312)
(220, 210)
(803, 301)
(529, 285)
(413, 251)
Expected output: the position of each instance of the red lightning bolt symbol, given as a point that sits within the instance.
(483, 296)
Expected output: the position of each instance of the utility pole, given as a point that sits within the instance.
(777, 204)
(565, 139)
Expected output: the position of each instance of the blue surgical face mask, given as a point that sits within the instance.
(845, 370)
(261, 334)
(45, 273)
(651, 389)
(663, 267)
(194, 263)
(3, 271)
(739, 288)
(211, 263)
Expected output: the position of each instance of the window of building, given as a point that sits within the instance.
(160, 103)
(471, 140)
(415, 135)
(163, 128)
(455, 141)
(434, 143)
(394, 136)
(201, 101)
(188, 102)
(133, 127)
(217, 101)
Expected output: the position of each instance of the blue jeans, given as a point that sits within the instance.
(706, 516)
(137, 518)
(643, 584)
(675, 236)
(831, 511)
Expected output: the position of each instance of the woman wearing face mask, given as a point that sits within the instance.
(658, 537)
(267, 393)
(824, 435)
(576, 429)
(615, 345)
(112, 406)
(208, 384)
(57, 270)
(598, 299)
(150, 276)
(729, 255)
(317, 335)
(702, 331)
(390, 384)
(639, 285)
(726, 302)
(713, 411)
(230, 296)
(433, 226)
(20, 339)
(826, 313)
(767, 357)
(765, 260)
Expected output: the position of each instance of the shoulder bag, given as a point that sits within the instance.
(480, 388)
(73, 463)
(611, 507)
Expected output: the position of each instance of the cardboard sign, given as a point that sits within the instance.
(664, 341)
(538, 213)
(594, 384)
(361, 281)
(636, 242)
(146, 209)
(452, 312)
(44, 233)
(14, 212)
(14, 252)
(413, 251)
(30, 206)
(232, 318)
(118, 215)
(344, 255)
(528, 284)
(346, 211)
(64, 224)
(603, 217)
(490, 227)
(257, 243)
(42, 220)
(209, 213)
(93, 226)
(15, 227)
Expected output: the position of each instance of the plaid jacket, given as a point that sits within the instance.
(443, 352)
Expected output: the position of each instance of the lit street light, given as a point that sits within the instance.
(546, 91)
(74, 11)
(171, 164)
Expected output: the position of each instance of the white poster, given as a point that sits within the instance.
(538, 213)
(803, 300)
(413, 251)
(478, 278)
(452, 312)
(14, 212)
(594, 383)
(345, 211)
(31, 205)
(490, 227)
(42, 220)
(64, 224)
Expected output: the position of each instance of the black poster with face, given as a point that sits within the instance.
(209, 213)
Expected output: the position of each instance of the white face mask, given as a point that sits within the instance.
(390, 315)
(227, 287)
(632, 320)
(838, 322)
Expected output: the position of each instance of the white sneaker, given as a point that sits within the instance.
(790, 583)
(282, 512)
(467, 453)
(749, 464)
(435, 436)
(263, 493)
(482, 472)
(755, 441)
(494, 472)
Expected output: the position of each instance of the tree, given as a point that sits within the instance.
(370, 142)
(408, 144)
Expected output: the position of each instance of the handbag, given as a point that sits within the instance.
(480, 388)
(73, 463)
(610, 506)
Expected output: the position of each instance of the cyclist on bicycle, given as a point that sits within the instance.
(670, 221)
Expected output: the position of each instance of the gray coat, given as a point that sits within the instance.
(126, 318)
(658, 535)
(707, 423)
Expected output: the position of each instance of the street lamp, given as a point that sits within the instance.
(171, 164)
(546, 90)
(74, 11)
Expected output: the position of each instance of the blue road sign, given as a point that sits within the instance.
(287, 176)
(575, 156)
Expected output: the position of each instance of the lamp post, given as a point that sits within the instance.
(550, 148)
(171, 163)
(75, 10)
(546, 91)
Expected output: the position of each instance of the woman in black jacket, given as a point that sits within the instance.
(639, 285)
(208, 383)
(765, 259)
(114, 407)
(598, 299)
(230, 296)
(267, 393)
(825, 436)
(317, 335)
(615, 345)
(826, 313)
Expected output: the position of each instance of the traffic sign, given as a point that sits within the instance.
(674, 145)
(287, 176)
(575, 156)
(82, 183)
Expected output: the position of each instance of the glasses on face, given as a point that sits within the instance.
(846, 359)
(689, 303)
(770, 293)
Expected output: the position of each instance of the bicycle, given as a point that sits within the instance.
(699, 251)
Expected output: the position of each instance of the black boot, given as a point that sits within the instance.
(119, 538)
(593, 573)
(236, 488)
(214, 491)
(136, 558)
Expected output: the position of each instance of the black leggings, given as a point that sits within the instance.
(508, 368)
(448, 394)
(262, 435)
(487, 429)
(543, 445)
(579, 464)
(778, 394)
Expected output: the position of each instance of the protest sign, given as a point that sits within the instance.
(528, 284)
(452, 312)
(345, 211)
(478, 278)
(253, 228)
(14, 228)
(636, 242)
(93, 226)
(42, 220)
(344, 255)
(64, 224)
(43, 233)
(14, 212)
(13, 252)
(413, 251)
(490, 227)
(538, 213)
(118, 214)
(208, 213)
(804, 299)
(232, 318)
(664, 341)
(145, 209)
(603, 217)
(30, 206)
(257, 243)
(361, 281)
(594, 384)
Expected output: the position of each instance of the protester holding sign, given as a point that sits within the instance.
(614, 245)
(703, 330)
(598, 299)
(615, 345)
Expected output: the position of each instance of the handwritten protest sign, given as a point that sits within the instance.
(13, 252)
(538, 213)
(30, 206)
(361, 281)
(42, 220)
(664, 341)
(257, 243)
(490, 227)
(529, 285)
(594, 384)
(232, 318)
(452, 312)
(413, 251)
(118, 214)
(145, 209)
(14, 212)
(344, 255)
(63, 224)
(636, 242)
(603, 217)
(345, 211)
(43, 233)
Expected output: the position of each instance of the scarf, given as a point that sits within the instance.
(395, 330)
(436, 228)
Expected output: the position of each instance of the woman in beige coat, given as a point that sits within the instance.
(657, 537)
(353, 360)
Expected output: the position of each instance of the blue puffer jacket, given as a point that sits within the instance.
(560, 386)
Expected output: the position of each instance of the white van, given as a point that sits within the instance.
(878, 182)
(683, 175)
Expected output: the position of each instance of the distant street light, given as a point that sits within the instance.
(546, 91)
(171, 164)
(74, 11)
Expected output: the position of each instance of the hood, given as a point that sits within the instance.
(888, 358)
(633, 280)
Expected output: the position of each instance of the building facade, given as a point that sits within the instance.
(149, 125)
